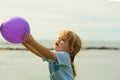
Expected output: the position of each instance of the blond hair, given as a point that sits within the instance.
(74, 42)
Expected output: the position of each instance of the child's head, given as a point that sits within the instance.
(74, 42)
(70, 42)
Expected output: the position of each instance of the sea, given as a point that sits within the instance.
(97, 60)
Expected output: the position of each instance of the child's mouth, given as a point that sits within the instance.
(57, 44)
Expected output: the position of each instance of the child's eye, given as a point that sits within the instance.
(62, 40)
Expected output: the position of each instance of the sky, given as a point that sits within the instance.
(97, 20)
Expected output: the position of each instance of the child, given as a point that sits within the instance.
(61, 61)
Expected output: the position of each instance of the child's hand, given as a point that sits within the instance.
(27, 38)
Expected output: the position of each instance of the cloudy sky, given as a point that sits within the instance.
(90, 19)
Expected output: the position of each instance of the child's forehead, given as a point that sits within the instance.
(65, 37)
(65, 34)
(62, 36)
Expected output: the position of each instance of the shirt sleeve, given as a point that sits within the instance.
(63, 58)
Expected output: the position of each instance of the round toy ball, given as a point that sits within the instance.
(14, 29)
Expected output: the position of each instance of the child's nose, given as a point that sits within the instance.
(59, 40)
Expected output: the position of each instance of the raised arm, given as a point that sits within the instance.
(38, 47)
(33, 50)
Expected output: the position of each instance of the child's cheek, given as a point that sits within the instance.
(62, 41)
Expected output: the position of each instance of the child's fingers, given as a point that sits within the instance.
(25, 36)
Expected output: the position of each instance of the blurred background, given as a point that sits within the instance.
(97, 22)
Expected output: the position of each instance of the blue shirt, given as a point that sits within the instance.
(61, 68)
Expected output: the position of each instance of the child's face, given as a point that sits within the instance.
(61, 45)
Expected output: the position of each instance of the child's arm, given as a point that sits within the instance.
(39, 48)
(29, 47)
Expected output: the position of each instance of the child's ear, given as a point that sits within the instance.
(71, 50)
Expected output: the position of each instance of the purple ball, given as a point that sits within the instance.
(14, 29)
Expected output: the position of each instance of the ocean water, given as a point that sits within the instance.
(50, 44)
(99, 65)
(91, 64)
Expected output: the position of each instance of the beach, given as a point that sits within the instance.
(90, 65)
(96, 22)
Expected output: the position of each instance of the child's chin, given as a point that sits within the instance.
(57, 50)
